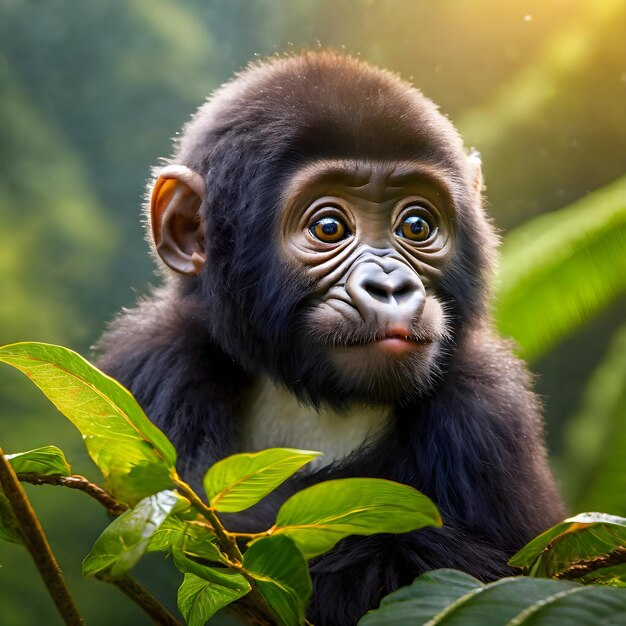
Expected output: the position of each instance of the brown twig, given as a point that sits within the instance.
(36, 543)
(113, 506)
(132, 589)
(579, 569)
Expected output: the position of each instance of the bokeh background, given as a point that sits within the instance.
(91, 91)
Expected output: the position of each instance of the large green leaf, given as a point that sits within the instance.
(199, 600)
(282, 576)
(593, 466)
(239, 481)
(134, 456)
(47, 461)
(451, 598)
(317, 517)
(125, 540)
(559, 269)
(9, 527)
(576, 541)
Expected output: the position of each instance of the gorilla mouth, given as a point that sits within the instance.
(402, 339)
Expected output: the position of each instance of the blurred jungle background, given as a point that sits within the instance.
(91, 91)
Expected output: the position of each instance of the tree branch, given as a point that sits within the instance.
(36, 543)
(113, 506)
(132, 589)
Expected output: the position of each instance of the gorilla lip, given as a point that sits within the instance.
(399, 341)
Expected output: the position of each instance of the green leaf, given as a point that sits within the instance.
(317, 517)
(169, 534)
(199, 599)
(450, 598)
(193, 539)
(282, 577)
(562, 267)
(125, 540)
(239, 481)
(46, 461)
(220, 576)
(134, 456)
(577, 540)
(9, 527)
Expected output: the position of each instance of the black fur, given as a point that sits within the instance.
(473, 444)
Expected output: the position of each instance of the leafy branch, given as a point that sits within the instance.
(113, 506)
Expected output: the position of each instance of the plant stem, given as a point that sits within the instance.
(113, 506)
(226, 540)
(36, 543)
(131, 588)
(260, 613)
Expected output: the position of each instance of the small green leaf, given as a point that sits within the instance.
(199, 600)
(580, 538)
(9, 528)
(119, 437)
(217, 575)
(125, 540)
(282, 577)
(239, 481)
(317, 517)
(46, 461)
(450, 598)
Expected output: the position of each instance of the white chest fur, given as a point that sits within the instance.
(272, 417)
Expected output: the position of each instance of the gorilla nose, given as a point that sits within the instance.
(389, 294)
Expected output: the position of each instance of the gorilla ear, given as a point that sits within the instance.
(476, 172)
(177, 231)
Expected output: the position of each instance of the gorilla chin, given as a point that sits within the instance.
(387, 370)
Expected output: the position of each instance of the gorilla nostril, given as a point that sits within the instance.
(376, 291)
(403, 292)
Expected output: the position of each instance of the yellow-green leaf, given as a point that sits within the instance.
(317, 517)
(134, 456)
(239, 481)
(46, 461)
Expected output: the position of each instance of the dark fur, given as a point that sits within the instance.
(473, 444)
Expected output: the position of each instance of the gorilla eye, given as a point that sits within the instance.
(415, 228)
(329, 230)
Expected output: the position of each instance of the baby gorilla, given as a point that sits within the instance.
(327, 268)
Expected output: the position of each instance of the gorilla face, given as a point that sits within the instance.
(373, 238)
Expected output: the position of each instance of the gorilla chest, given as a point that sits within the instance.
(271, 416)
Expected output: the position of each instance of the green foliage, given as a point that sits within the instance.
(120, 439)
(126, 539)
(281, 575)
(45, 461)
(136, 459)
(199, 600)
(242, 480)
(561, 268)
(317, 517)
(448, 597)
(575, 543)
